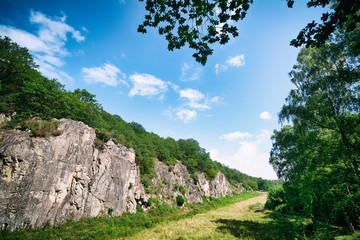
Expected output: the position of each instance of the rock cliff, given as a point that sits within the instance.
(49, 180)
(174, 180)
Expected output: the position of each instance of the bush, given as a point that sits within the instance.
(195, 178)
(175, 188)
(102, 134)
(182, 190)
(276, 198)
(139, 209)
(41, 128)
(110, 211)
(180, 200)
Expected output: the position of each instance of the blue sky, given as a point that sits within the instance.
(229, 106)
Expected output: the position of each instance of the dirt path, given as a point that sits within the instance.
(206, 225)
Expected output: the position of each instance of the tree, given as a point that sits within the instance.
(318, 156)
(345, 15)
(202, 23)
(197, 23)
(16, 64)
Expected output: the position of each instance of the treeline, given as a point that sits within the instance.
(25, 91)
(318, 155)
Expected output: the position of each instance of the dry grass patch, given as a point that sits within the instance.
(205, 225)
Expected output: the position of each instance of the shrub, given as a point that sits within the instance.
(211, 174)
(276, 198)
(139, 209)
(175, 188)
(182, 190)
(180, 200)
(44, 128)
(195, 178)
(102, 134)
(110, 211)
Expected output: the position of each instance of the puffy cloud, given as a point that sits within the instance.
(265, 115)
(235, 136)
(186, 115)
(197, 100)
(48, 45)
(107, 73)
(191, 94)
(190, 73)
(147, 85)
(194, 102)
(236, 61)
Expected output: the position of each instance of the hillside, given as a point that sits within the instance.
(25, 91)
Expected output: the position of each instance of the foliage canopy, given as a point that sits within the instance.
(202, 23)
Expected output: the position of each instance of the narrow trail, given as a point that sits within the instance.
(206, 225)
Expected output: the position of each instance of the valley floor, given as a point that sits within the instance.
(215, 224)
(243, 220)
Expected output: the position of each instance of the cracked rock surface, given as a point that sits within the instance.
(49, 180)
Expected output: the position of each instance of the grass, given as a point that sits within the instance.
(238, 217)
(244, 220)
(125, 225)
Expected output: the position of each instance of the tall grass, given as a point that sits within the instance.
(125, 225)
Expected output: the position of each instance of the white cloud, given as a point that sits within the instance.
(215, 99)
(235, 136)
(220, 68)
(186, 115)
(147, 85)
(265, 115)
(190, 72)
(48, 45)
(107, 73)
(52, 31)
(173, 86)
(192, 95)
(25, 39)
(197, 100)
(52, 72)
(194, 103)
(214, 154)
(236, 61)
(250, 157)
(55, 61)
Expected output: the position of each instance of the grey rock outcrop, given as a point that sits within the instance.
(174, 180)
(4, 118)
(49, 180)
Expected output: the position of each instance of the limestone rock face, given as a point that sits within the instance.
(4, 118)
(172, 181)
(49, 180)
